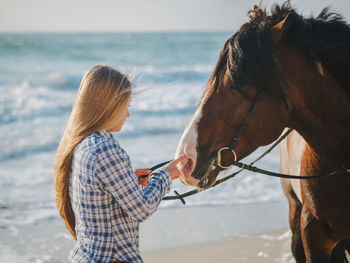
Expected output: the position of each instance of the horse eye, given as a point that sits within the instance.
(235, 88)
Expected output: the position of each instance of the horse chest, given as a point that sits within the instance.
(329, 198)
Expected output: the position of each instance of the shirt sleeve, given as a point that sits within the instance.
(114, 170)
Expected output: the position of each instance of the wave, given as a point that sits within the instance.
(5, 156)
(32, 118)
(163, 112)
(154, 131)
(27, 101)
(54, 96)
(183, 74)
(10, 41)
(11, 117)
(21, 151)
(140, 75)
(60, 81)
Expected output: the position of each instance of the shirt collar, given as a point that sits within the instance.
(106, 134)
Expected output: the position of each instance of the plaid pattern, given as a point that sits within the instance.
(107, 201)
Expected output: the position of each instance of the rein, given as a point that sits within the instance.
(248, 167)
(220, 181)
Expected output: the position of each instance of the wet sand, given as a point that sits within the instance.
(243, 233)
(273, 247)
(240, 233)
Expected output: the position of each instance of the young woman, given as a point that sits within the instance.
(97, 192)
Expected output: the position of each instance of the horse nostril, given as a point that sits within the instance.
(188, 166)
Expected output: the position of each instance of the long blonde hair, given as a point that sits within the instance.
(103, 94)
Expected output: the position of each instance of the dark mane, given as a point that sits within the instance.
(249, 54)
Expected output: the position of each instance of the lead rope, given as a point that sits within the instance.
(220, 181)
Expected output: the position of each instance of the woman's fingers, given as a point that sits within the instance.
(142, 172)
(176, 161)
(143, 181)
(143, 175)
(172, 169)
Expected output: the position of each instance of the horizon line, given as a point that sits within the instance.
(114, 31)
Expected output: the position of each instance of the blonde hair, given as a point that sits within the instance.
(103, 95)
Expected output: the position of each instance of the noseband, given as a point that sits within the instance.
(238, 134)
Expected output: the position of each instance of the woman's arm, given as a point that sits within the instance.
(114, 170)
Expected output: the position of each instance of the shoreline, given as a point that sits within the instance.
(186, 226)
(264, 248)
(180, 233)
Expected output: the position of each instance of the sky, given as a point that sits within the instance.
(139, 15)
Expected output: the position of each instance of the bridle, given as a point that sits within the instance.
(238, 134)
(249, 167)
(240, 130)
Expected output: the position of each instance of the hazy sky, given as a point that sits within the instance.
(139, 15)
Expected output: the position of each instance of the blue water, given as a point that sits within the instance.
(39, 77)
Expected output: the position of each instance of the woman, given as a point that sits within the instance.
(97, 192)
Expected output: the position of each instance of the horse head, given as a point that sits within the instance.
(243, 107)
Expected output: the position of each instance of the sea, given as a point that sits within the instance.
(40, 74)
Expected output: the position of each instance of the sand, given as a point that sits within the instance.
(241, 233)
(273, 247)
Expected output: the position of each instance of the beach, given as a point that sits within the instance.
(244, 219)
(271, 247)
(35, 103)
(240, 233)
(244, 233)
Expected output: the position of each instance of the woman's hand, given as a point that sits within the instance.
(143, 175)
(172, 169)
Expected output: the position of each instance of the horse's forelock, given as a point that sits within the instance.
(250, 52)
(218, 72)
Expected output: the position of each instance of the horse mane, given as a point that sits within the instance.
(249, 54)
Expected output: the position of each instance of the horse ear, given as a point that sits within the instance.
(255, 12)
(280, 29)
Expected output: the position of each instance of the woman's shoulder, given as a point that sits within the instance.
(102, 143)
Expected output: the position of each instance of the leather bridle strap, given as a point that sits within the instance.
(245, 121)
(252, 168)
(220, 181)
(238, 134)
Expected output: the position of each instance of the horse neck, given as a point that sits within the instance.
(321, 115)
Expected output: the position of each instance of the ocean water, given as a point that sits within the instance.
(39, 77)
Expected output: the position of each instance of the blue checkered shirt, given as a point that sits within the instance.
(107, 201)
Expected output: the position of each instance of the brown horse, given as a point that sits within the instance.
(283, 70)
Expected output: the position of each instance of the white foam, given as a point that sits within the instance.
(10, 255)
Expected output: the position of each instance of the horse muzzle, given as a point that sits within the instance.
(206, 174)
(186, 168)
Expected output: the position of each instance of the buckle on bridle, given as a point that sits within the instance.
(219, 157)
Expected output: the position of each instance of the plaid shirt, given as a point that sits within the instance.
(107, 201)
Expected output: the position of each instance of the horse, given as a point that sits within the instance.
(283, 70)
